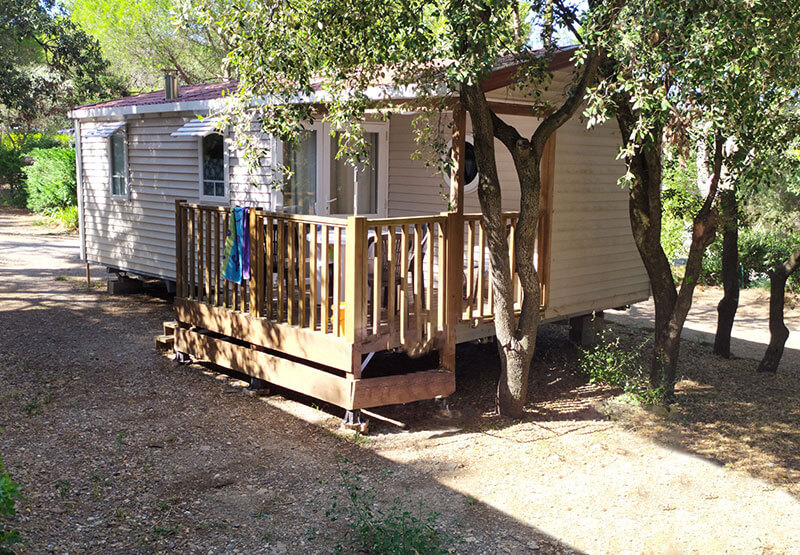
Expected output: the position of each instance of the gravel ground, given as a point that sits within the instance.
(118, 449)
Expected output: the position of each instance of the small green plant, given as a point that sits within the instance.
(62, 488)
(121, 437)
(61, 278)
(32, 407)
(394, 531)
(159, 532)
(610, 363)
(470, 500)
(9, 494)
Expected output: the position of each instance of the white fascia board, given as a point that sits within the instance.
(194, 106)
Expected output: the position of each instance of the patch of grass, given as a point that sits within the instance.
(62, 488)
(61, 278)
(9, 494)
(470, 500)
(159, 532)
(613, 364)
(121, 437)
(396, 530)
(32, 407)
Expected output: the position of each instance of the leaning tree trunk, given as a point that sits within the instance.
(672, 305)
(726, 309)
(778, 332)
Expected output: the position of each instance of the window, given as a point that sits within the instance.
(300, 189)
(320, 184)
(118, 156)
(213, 167)
(355, 187)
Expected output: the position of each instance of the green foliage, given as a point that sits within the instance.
(51, 181)
(760, 250)
(48, 65)
(14, 149)
(141, 38)
(680, 201)
(394, 531)
(611, 363)
(9, 494)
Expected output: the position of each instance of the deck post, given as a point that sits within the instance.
(179, 254)
(256, 271)
(545, 231)
(355, 281)
(455, 242)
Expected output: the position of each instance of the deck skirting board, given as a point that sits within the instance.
(344, 392)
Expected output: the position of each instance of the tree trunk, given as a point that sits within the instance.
(778, 332)
(672, 305)
(726, 310)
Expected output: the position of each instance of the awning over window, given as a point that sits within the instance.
(104, 129)
(197, 128)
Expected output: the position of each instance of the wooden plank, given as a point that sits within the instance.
(208, 275)
(226, 285)
(418, 278)
(299, 342)
(280, 261)
(391, 279)
(337, 280)
(313, 262)
(442, 282)
(325, 309)
(377, 280)
(268, 230)
(546, 218)
(355, 299)
(192, 293)
(276, 370)
(455, 265)
(301, 274)
(404, 284)
(255, 271)
(291, 259)
(201, 267)
(407, 388)
(218, 238)
(470, 267)
(481, 269)
(178, 252)
(429, 251)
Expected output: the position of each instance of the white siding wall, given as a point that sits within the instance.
(594, 262)
(138, 234)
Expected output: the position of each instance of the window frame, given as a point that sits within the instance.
(126, 195)
(214, 199)
(325, 145)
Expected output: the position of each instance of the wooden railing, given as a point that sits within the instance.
(478, 304)
(378, 281)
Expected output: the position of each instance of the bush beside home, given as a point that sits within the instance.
(52, 185)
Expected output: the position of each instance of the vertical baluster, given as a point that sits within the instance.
(418, 279)
(442, 282)
(377, 281)
(208, 256)
(313, 267)
(301, 274)
(481, 267)
(429, 251)
(268, 230)
(470, 267)
(192, 248)
(226, 285)
(280, 254)
(325, 299)
(291, 230)
(391, 279)
(200, 252)
(403, 283)
(216, 235)
(337, 279)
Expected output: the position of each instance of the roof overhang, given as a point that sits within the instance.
(104, 130)
(200, 127)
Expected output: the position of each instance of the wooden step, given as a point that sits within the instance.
(169, 327)
(165, 342)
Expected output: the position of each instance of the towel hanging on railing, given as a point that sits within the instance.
(237, 246)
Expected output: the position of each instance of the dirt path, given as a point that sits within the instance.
(120, 450)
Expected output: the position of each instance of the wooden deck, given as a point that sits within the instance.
(324, 293)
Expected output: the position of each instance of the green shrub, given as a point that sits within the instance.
(51, 181)
(14, 151)
(759, 251)
(395, 531)
(9, 493)
(610, 363)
